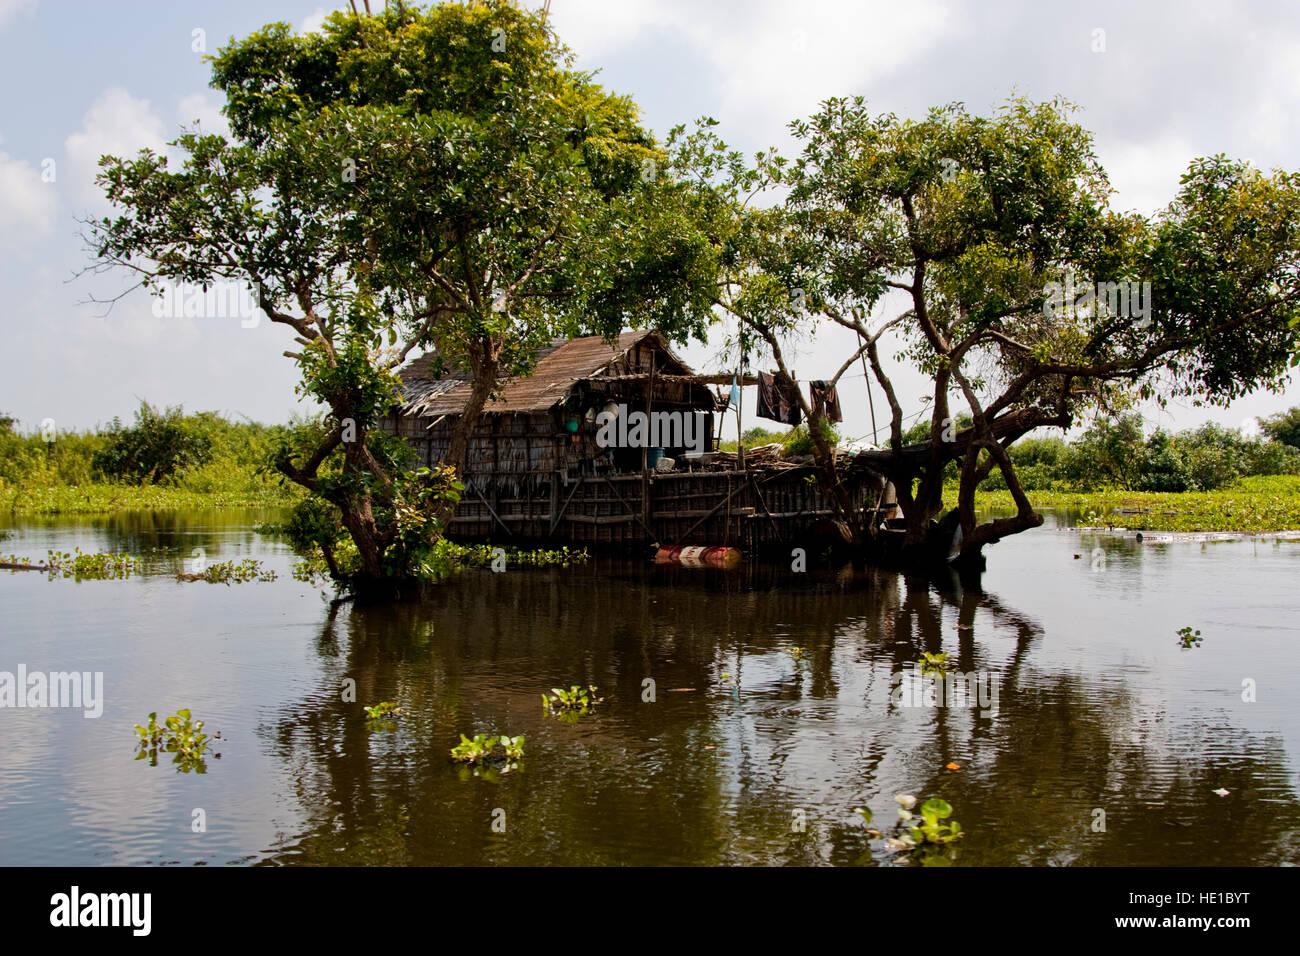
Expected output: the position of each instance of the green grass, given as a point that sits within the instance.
(93, 499)
(1257, 504)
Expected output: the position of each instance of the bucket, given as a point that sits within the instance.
(652, 457)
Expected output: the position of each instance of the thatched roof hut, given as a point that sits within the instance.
(544, 423)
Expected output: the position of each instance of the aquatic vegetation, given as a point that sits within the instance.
(474, 750)
(100, 567)
(481, 749)
(1188, 637)
(571, 703)
(439, 561)
(930, 829)
(1256, 504)
(799, 654)
(311, 570)
(383, 716)
(483, 555)
(931, 664)
(180, 736)
(921, 834)
(74, 564)
(231, 572)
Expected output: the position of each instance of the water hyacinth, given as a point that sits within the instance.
(1253, 505)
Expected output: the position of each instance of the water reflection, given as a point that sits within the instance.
(771, 707)
(725, 769)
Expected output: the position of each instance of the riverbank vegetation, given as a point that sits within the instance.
(1113, 454)
(1253, 505)
(165, 460)
(1205, 479)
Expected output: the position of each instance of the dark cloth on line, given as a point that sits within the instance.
(778, 400)
(826, 400)
(768, 403)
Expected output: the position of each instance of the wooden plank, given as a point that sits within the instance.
(555, 519)
(621, 501)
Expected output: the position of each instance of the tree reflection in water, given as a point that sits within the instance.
(711, 773)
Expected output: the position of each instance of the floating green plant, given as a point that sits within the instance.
(930, 830)
(479, 752)
(383, 716)
(231, 572)
(571, 703)
(1188, 637)
(180, 736)
(473, 750)
(921, 835)
(935, 663)
(483, 555)
(74, 564)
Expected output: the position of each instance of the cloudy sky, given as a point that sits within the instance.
(1158, 82)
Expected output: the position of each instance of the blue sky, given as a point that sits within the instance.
(1175, 80)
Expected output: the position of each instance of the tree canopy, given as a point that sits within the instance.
(420, 179)
(442, 179)
(1026, 297)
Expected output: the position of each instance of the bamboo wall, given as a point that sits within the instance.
(752, 510)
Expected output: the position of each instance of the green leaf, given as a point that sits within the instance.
(936, 807)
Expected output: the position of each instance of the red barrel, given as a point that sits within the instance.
(698, 557)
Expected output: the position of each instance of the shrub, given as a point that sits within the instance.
(160, 444)
(799, 440)
(1284, 427)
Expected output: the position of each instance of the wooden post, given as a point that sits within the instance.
(866, 377)
(645, 448)
(740, 408)
(555, 501)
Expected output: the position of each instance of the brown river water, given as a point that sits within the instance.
(1107, 747)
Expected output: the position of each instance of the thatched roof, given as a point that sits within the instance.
(557, 369)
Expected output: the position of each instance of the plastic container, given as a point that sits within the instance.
(698, 557)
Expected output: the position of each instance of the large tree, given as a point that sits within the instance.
(434, 178)
(992, 230)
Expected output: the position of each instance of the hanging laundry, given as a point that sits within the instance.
(733, 400)
(791, 411)
(778, 400)
(825, 399)
(768, 401)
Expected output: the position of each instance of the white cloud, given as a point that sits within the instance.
(116, 124)
(313, 21)
(10, 7)
(1145, 174)
(773, 59)
(29, 202)
(206, 110)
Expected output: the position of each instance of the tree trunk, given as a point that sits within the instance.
(484, 359)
